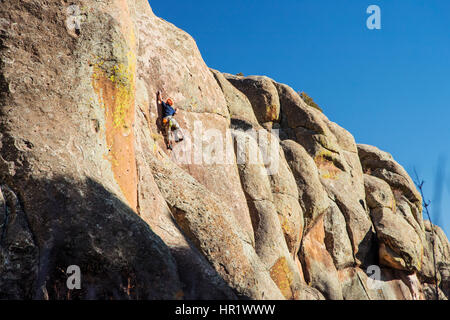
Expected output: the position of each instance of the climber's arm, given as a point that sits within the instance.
(158, 96)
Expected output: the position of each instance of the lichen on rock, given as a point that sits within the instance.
(86, 179)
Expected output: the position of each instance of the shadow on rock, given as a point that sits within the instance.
(54, 223)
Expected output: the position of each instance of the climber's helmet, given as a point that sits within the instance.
(170, 102)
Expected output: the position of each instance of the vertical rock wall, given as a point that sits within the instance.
(85, 178)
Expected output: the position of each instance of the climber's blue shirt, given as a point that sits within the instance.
(167, 110)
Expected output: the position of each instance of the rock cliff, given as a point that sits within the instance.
(266, 198)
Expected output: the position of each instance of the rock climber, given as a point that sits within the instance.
(169, 122)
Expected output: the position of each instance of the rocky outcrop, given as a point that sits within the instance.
(239, 107)
(381, 164)
(265, 198)
(261, 93)
(398, 230)
(18, 251)
(320, 272)
(440, 259)
(312, 196)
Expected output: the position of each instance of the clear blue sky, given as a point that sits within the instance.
(390, 87)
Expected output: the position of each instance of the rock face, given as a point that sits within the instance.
(261, 93)
(265, 198)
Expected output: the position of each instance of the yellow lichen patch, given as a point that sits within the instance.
(290, 235)
(271, 113)
(282, 276)
(325, 142)
(286, 226)
(394, 205)
(325, 164)
(115, 88)
(398, 194)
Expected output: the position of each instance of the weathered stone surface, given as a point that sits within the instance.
(169, 60)
(209, 157)
(357, 285)
(66, 128)
(406, 209)
(358, 224)
(312, 197)
(270, 244)
(85, 178)
(296, 114)
(381, 164)
(285, 199)
(214, 231)
(200, 280)
(344, 138)
(19, 256)
(318, 266)
(306, 125)
(239, 107)
(262, 95)
(378, 193)
(119, 256)
(440, 261)
(336, 239)
(396, 210)
(429, 292)
(335, 155)
(290, 215)
(400, 244)
(391, 287)
(354, 284)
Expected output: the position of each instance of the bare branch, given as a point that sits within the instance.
(419, 183)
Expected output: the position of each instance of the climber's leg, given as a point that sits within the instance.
(168, 131)
(175, 134)
(180, 135)
(170, 137)
(177, 130)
